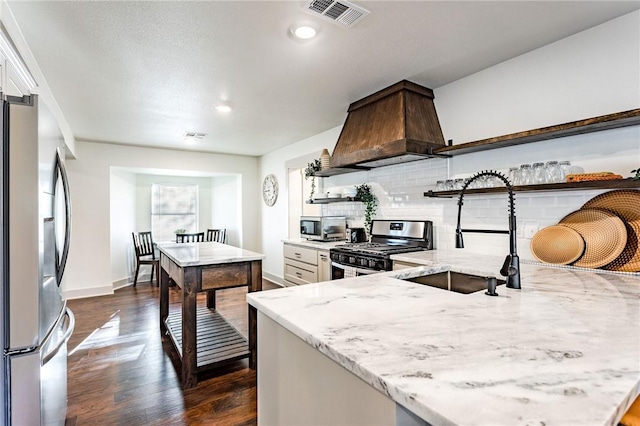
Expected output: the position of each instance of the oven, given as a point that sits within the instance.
(388, 237)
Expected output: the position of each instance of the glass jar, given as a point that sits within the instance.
(526, 175)
(458, 184)
(565, 169)
(448, 185)
(440, 186)
(553, 171)
(513, 176)
(539, 173)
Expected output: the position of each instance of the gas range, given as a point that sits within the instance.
(388, 237)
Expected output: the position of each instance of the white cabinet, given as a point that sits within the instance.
(324, 266)
(300, 265)
(304, 265)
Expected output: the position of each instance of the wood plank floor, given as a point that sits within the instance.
(121, 372)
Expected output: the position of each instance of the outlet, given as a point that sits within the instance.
(530, 229)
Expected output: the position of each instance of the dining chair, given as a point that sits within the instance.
(195, 237)
(217, 235)
(145, 255)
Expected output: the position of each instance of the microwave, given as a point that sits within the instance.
(323, 228)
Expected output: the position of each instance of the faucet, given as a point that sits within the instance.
(511, 266)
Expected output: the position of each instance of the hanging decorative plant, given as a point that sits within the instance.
(637, 172)
(371, 202)
(309, 172)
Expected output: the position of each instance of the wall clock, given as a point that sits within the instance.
(270, 190)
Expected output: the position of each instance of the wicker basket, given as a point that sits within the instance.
(626, 204)
(604, 234)
(558, 245)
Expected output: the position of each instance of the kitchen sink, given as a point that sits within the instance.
(455, 281)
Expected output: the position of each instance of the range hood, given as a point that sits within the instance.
(394, 125)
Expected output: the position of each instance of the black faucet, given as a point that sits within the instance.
(511, 266)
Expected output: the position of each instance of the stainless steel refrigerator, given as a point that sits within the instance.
(35, 223)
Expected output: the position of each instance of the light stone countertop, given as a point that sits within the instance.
(206, 253)
(318, 245)
(564, 350)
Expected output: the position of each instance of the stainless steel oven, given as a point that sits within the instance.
(388, 237)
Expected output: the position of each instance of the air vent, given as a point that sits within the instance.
(194, 135)
(342, 12)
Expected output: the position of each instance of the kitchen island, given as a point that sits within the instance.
(202, 337)
(563, 350)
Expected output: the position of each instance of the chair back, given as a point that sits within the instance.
(217, 235)
(195, 237)
(143, 244)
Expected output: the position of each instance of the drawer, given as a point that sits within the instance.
(302, 254)
(300, 273)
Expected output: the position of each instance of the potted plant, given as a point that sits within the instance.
(371, 202)
(637, 172)
(310, 172)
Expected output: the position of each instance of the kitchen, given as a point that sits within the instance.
(540, 88)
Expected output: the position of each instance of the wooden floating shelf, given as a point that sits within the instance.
(333, 200)
(340, 171)
(217, 341)
(590, 125)
(596, 184)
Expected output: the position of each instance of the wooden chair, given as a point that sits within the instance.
(217, 235)
(145, 255)
(195, 237)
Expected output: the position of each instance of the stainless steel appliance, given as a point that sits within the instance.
(388, 237)
(35, 220)
(323, 228)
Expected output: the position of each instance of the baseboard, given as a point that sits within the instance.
(87, 292)
(125, 282)
(273, 278)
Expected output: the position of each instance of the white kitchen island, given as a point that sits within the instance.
(563, 350)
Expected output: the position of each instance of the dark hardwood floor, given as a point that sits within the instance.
(122, 372)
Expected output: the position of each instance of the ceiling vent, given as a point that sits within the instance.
(194, 135)
(345, 13)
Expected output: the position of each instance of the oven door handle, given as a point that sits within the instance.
(359, 271)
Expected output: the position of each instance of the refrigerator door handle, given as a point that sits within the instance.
(62, 262)
(63, 341)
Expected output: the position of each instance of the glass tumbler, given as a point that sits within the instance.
(440, 186)
(458, 184)
(539, 173)
(526, 175)
(448, 185)
(554, 173)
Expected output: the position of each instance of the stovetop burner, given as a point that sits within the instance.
(376, 248)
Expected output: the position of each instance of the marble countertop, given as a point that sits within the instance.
(206, 253)
(563, 350)
(319, 245)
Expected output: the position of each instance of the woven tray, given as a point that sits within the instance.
(588, 177)
(626, 204)
(604, 233)
(557, 244)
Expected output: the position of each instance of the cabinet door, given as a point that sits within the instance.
(324, 266)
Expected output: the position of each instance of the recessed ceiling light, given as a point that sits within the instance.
(223, 108)
(304, 32)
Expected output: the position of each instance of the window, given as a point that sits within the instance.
(173, 207)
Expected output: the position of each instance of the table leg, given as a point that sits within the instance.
(254, 285)
(189, 327)
(164, 300)
(211, 299)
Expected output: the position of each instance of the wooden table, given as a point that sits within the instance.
(201, 336)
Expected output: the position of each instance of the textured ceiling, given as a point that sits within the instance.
(143, 73)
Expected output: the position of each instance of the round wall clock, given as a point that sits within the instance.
(270, 190)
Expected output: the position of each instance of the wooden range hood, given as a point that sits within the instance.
(395, 125)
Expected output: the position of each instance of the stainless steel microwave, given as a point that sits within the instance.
(323, 228)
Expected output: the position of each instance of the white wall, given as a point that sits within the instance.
(89, 266)
(122, 210)
(226, 207)
(592, 73)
